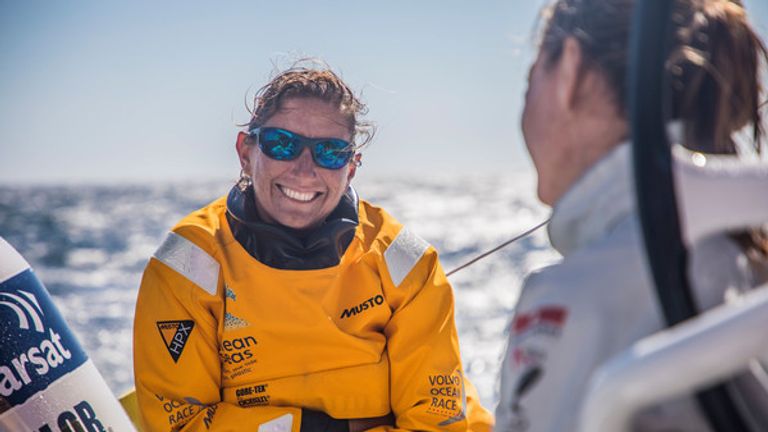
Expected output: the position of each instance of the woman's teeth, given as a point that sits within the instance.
(296, 195)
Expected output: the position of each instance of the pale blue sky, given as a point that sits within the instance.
(147, 91)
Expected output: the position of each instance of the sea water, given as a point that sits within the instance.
(89, 245)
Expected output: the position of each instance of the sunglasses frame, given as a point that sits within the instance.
(302, 142)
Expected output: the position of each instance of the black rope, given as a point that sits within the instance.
(651, 34)
(485, 254)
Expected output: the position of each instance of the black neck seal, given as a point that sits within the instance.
(285, 248)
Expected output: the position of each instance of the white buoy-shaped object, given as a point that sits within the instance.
(47, 382)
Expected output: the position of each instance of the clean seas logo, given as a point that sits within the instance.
(25, 306)
(237, 350)
(175, 335)
(232, 322)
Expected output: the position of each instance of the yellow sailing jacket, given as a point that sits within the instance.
(224, 342)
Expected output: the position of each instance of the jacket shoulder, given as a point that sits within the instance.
(609, 268)
(400, 248)
(377, 227)
(605, 286)
(202, 226)
(191, 249)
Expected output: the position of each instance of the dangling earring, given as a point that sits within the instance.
(244, 182)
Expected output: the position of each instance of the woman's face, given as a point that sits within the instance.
(540, 123)
(570, 120)
(298, 193)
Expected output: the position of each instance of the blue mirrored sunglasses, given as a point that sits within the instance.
(284, 145)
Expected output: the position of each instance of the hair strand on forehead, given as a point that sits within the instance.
(312, 78)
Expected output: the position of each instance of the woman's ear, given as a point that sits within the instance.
(243, 148)
(356, 162)
(568, 78)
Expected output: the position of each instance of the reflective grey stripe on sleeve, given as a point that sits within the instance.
(403, 254)
(190, 261)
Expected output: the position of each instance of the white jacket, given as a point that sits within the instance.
(573, 316)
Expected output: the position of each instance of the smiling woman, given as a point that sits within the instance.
(292, 305)
(291, 186)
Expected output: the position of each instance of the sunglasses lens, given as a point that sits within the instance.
(278, 144)
(284, 145)
(332, 154)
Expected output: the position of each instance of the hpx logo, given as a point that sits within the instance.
(175, 335)
(24, 304)
(37, 346)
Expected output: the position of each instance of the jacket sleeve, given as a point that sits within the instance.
(176, 361)
(429, 391)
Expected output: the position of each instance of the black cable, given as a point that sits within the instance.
(652, 31)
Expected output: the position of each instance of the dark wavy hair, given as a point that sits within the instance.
(714, 68)
(309, 78)
(714, 65)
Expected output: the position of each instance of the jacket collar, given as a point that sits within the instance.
(282, 247)
(595, 204)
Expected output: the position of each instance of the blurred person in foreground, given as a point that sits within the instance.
(600, 298)
(292, 305)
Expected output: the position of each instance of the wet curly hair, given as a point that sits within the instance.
(309, 78)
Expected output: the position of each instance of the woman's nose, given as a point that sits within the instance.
(304, 165)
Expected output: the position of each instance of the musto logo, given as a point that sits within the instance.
(368, 304)
(37, 347)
